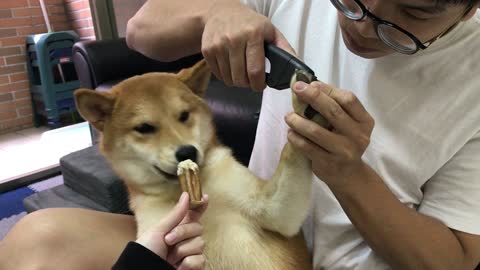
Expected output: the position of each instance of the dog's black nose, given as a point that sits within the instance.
(185, 152)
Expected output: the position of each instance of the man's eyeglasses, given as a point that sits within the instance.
(391, 34)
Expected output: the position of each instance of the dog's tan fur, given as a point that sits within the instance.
(250, 223)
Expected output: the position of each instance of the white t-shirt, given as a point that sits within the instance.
(426, 140)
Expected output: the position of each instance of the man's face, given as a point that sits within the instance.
(425, 19)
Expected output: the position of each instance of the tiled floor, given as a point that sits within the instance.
(31, 150)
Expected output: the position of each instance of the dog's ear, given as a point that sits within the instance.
(94, 106)
(196, 77)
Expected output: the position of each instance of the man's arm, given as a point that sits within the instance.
(405, 238)
(229, 34)
(168, 30)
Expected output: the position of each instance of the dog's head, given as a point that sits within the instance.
(150, 123)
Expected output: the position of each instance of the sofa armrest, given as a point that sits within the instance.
(97, 62)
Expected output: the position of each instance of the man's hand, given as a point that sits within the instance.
(335, 153)
(233, 44)
(229, 34)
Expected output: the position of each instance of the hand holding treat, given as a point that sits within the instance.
(188, 175)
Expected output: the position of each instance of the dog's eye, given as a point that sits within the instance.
(184, 116)
(145, 128)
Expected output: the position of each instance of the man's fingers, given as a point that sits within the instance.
(238, 65)
(310, 149)
(212, 64)
(347, 100)
(209, 54)
(255, 64)
(322, 137)
(326, 106)
(223, 62)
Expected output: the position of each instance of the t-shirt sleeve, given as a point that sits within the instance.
(136, 256)
(452, 195)
(260, 6)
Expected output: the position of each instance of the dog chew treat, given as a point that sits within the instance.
(187, 172)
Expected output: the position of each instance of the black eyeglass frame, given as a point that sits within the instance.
(377, 21)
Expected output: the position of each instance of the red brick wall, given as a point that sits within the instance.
(19, 18)
(79, 13)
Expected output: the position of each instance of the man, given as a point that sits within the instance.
(397, 175)
(407, 201)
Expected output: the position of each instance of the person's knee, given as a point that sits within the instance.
(61, 238)
(41, 226)
(38, 236)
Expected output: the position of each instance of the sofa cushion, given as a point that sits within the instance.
(88, 173)
(60, 196)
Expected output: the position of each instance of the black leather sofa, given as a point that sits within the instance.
(102, 64)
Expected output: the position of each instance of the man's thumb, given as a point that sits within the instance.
(176, 215)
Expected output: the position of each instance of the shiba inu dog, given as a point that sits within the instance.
(150, 123)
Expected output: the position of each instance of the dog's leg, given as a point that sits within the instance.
(282, 202)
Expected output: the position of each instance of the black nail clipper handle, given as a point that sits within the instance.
(283, 66)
